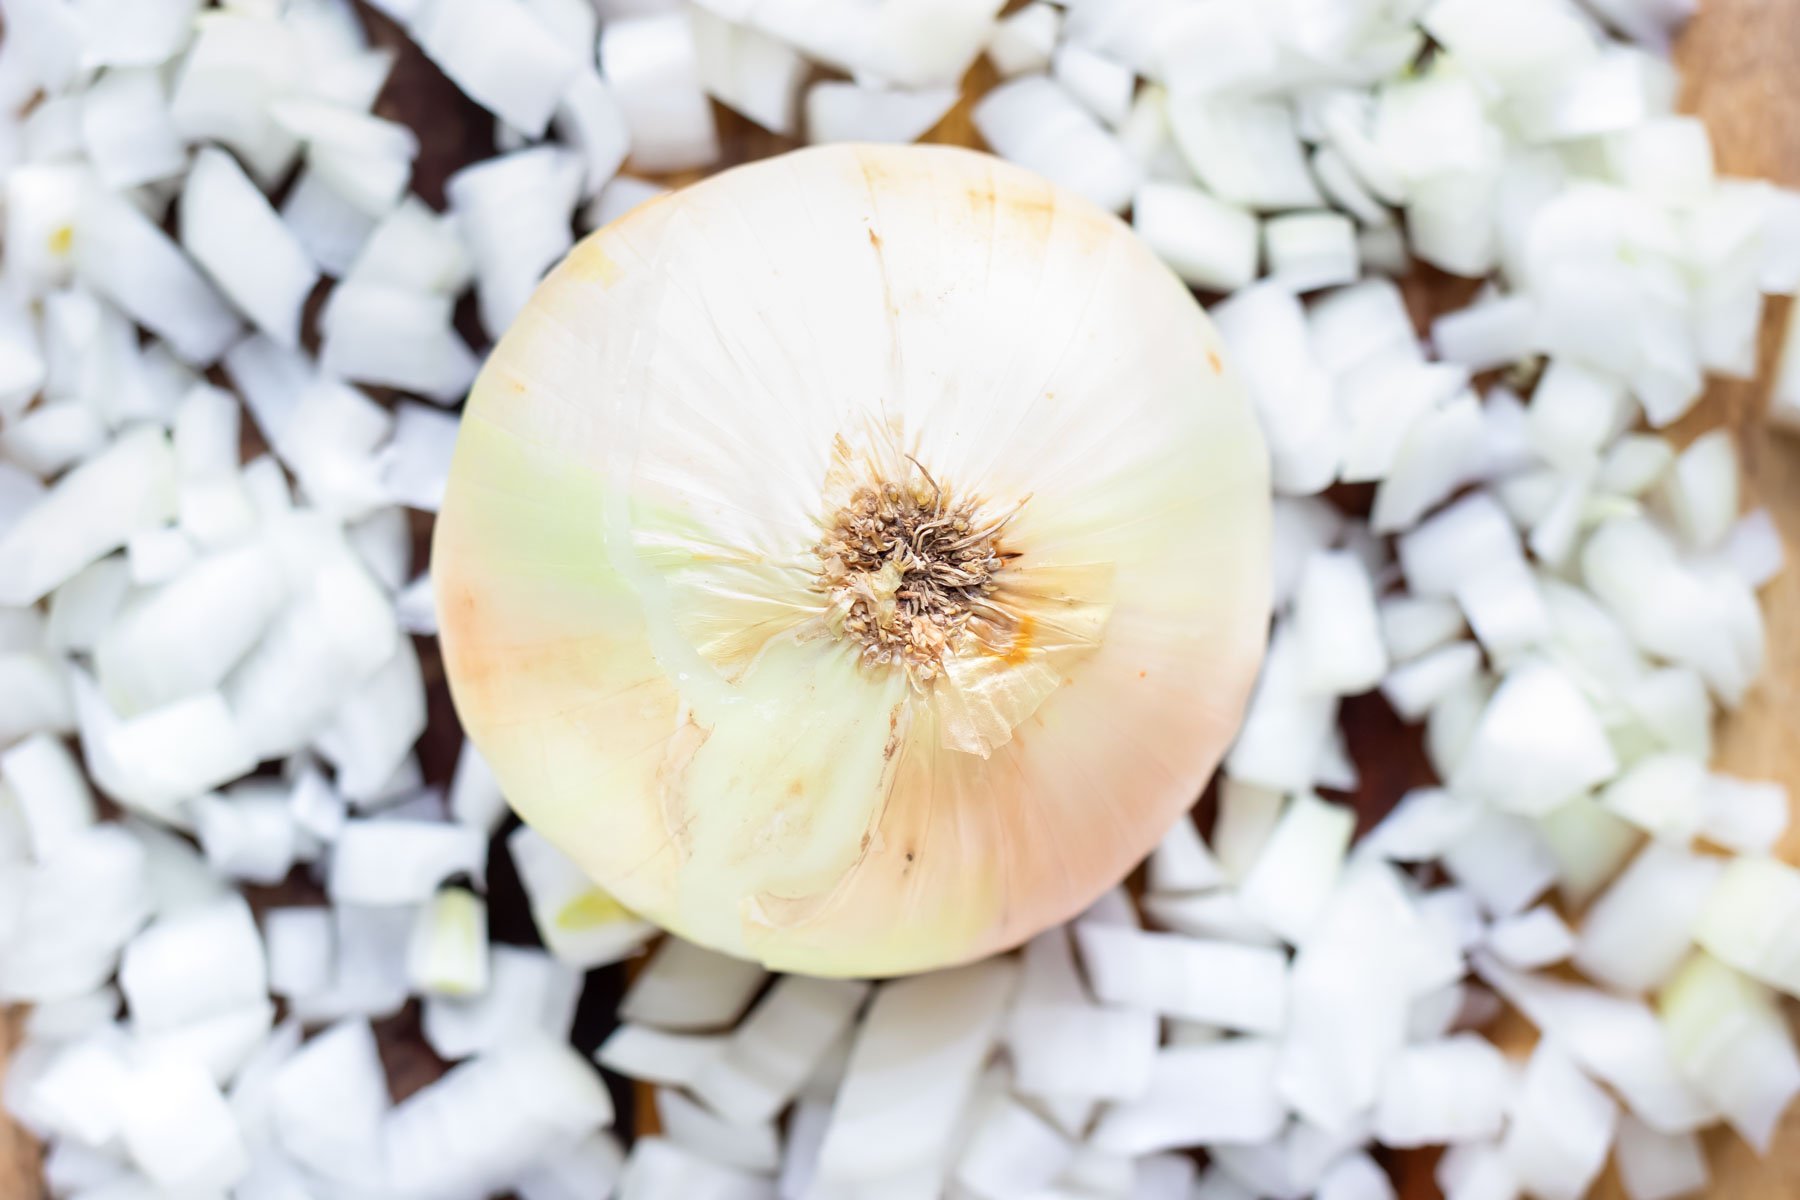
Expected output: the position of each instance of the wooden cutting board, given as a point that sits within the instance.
(1741, 64)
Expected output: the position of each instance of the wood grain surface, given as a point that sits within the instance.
(1741, 66)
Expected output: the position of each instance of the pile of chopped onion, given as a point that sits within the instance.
(209, 678)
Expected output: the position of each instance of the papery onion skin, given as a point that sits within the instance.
(626, 571)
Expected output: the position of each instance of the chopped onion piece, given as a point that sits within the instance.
(1562, 1126)
(581, 924)
(838, 111)
(529, 993)
(501, 55)
(1455, 1090)
(652, 64)
(1728, 1036)
(1504, 860)
(1659, 1166)
(49, 790)
(1292, 880)
(1265, 327)
(1617, 1039)
(657, 1056)
(685, 987)
(748, 71)
(658, 1167)
(1539, 743)
(514, 215)
(449, 950)
(385, 861)
(1702, 489)
(1245, 151)
(90, 512)
(1207, 242)
(1182, 863)
(1287, 728)
(178, 1128)
(1660, 794)
(192, 964)
(248, 836)
(774, 1050)
(1103, 85)
(1221, 983)
(1748, 921)
(240, 241)
(1311, 250)
(1336, 623)
(491, 1118)
(1032, 121)
(1012, 1150)
(299, 944)
(916, 1058)
(1022, 42)
(1740, 815)
(1081, 1051)
(1641, 928)
(1199, 1095)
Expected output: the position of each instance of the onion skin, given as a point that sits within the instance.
(626, 610)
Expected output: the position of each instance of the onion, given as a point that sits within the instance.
(1311, 250)
(685, 987)
(1749, 818)
(51, 795)
(528, 994)
(1641, 928)
(1182, 862)
(385, 861)
(1504, 860)
(1340, 635)
(974, 729)
(1562, 1126)
(327, 1103)
(1233, 986)
(655, 1056)
(248, 836)
(513, 213)
(299, 947)
(652, 64)
(1023, 41)
(1728, 1037)
(1455, 1090)
(416, 461)
(762, 1065)
(1532, 939)
(449, 950)
(1063, 1050)
(501, 55)
(1103, 85)
(1289, 885)
(589, 1169)
(1246, 152)
(1208, 243)
(237, 65)
(1658, 1166)
(490, 1119)
(837, 111)
(581, 924)
(658, 1167)
(1265, 327)
(193, 964)
(1036, 123)
(1217, 1094)
(915, 1060)
(749, 1147)
(178, 1129)
(748, 71)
